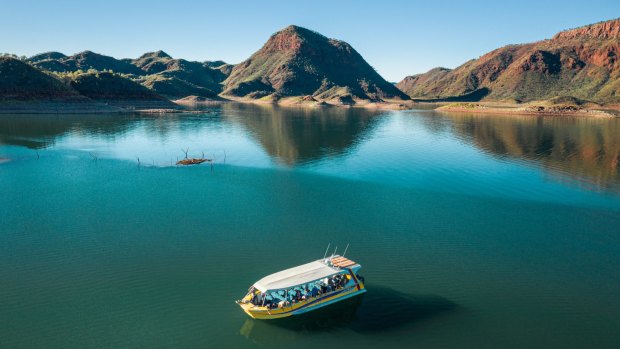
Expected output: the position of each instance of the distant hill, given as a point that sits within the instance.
(214, 64)
(179, 78)
(158, 71)
(175, 88)
(58, 62)
(116, 90)
(19, 81)
(152, 62)
(582, 63)
(90, 60)
(196, 73)
(46, 56)
(299, 62)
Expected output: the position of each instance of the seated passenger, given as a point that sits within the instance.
(268, 303)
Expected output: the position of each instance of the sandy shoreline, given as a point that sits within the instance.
(188, 106)
(532, 110)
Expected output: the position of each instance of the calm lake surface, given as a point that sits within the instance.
(473, 231)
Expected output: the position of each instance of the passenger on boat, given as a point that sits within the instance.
(255, 299)
(267, 303)
(298, 295)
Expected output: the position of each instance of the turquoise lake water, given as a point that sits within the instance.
(473, 231)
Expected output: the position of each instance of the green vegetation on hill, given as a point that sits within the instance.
(297, 62)
(46, 56)
(195, 73)
(158, 71)
(90, 60)
(107, 86)
(20, 81)
(175, 88)
(581, 63)
(152, 62)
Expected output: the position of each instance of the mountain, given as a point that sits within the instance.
(195, 73)
(90, 60)
(158, 71)
(214, 64)
(152, 62)
(19, 81)
(582, 63)
(46, 56)
(299, 62)
(117, 90)
(58, 62)
(178, 78)
(175, 88)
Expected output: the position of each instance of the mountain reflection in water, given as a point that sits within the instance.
(300, 135)
(586, 149)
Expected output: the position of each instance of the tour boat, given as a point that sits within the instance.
(303, 288)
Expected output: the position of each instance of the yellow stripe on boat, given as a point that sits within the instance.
(317, 274)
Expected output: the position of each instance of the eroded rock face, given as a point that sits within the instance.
(580, 62)
(603, 30)
(542, 62)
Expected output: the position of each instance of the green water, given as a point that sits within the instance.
(473, 231)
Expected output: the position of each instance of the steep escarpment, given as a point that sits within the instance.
(581, 62)
(299, 62)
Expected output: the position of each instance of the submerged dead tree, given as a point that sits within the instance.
(193, 161)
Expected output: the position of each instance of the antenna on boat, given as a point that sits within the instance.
(327, 249)
(333, 254)
(345, 250)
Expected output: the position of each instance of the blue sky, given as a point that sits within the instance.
(398, 38)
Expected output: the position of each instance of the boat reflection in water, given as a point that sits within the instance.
(378, 310)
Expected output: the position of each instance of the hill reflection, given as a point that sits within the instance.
(579, 150)
(41, 131)
(585, 149)
(300, 135)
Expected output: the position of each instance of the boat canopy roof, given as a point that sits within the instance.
(299, 275)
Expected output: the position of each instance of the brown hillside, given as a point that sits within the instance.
(299, 62)
(580, 62)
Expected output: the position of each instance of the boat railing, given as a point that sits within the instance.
(291, 304)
